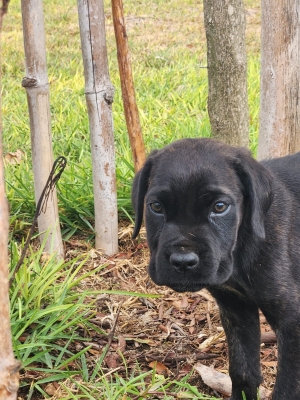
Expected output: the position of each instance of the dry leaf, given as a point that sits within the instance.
(205, 293)
(269, 363)
(51, 388)
(212, 340)
(94, 352)
(112, 360)
(214, 379)
(126, 231)
(222, 383)
(177, 304)
(163, 328)
(121, 343)
(184, 302)
(14, 157)
(161, 311)
(159, 367)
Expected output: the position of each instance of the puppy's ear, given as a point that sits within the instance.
(257, 185)
(139, 190)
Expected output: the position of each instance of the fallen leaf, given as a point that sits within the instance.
(212, 340)
(112, 360)
(51, 388)
(184, 302)
(177, 304)
(121, 343)
(269, 363)
(161, 311)
(14, 157)
(163, 328)
(222, 383)
(205, 293)
(214, 379)
(127, 231)
(94, 352)
(159, 367)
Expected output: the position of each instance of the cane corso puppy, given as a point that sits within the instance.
(218, 219)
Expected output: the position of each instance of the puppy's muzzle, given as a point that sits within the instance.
(184, 262)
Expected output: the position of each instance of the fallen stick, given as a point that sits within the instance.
(268, 337)
(182, 357)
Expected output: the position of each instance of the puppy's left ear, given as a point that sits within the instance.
(139, 189)
(257, 185)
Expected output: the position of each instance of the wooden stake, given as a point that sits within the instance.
(99, 97)
(9, 367)
(127, 86)
(37, 88)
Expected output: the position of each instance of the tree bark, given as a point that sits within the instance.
(99, 97)
(227, 70)
(127, 86)
(37, 89)
(280, 79)
(9, 367)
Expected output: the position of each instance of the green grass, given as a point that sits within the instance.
(171, 91)
(167, 45)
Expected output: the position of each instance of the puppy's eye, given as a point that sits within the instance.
(156, 207)
(220, 207)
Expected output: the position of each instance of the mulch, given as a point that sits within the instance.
(171, 333)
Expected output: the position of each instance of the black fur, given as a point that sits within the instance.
(247, 256)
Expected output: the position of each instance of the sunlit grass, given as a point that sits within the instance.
(171, 91)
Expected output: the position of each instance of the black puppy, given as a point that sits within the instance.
(216, 218)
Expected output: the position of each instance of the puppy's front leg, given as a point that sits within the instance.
(287, 384)
(240, 320)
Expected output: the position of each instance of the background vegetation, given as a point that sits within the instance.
(167, 43)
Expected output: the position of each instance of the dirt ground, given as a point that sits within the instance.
(175, 330)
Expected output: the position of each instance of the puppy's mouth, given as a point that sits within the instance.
(187, 286)
(210, 275)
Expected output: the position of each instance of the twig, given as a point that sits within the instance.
(208, 316)
(59, 164)
(183, 357)
(112, 332)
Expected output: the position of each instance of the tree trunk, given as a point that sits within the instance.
(280, 79)
(99, 96)
(227, 70)
(37, 89)
(9, 367)
(128, 94)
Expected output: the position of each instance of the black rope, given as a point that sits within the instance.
(54, 176)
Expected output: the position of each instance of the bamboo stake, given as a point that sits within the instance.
(99, 97)
(37, 89)
(9, 367)
(127, 86)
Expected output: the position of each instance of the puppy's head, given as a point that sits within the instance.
(197, 194)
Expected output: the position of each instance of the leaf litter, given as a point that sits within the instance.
(175, 334)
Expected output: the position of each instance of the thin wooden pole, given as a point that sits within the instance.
(279, 133)
(127, 86)
(37, 89)
(99, 97)
(9, 367)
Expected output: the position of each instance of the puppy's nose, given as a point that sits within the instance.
(183, 262)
